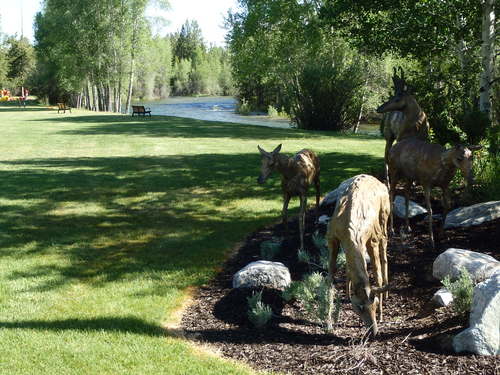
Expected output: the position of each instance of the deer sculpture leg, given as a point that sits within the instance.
(427, 193)
(382, 250)
(383, 261)
(388, 144)
(372, 247)
(302, 219)
(334, 246)
(317, 187)
(407, 206)
(284, 213)
(446, 208)
(392, 189)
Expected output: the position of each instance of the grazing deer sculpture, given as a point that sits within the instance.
(430, 165)
(359, 224)
(297, 174)
(403, 117)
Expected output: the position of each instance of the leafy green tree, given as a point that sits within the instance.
(189, 39)
(3, 66)
(154, 70)
(180, 79)
(283, 56)
(20, 60)
(89, 49)
(452, 40)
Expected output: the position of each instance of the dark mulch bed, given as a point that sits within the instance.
(412, 339)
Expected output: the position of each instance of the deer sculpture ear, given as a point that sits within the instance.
(263, 152)
(276, 150)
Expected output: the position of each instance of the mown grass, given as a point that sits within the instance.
(107, 220)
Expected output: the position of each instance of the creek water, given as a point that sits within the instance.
(212, 108)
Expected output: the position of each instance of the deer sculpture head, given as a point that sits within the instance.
(365, 303)
(398, 101)
(460, 156)
(269, 160)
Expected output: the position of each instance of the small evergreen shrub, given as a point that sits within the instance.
(259, 313)
(462, 290)
(269, 249)
(322, 260)
(319, 298)
(272, 112)
(275, 113)
(243, 107)
(291, 290)
(486, 167)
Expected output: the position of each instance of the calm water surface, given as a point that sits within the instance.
(221, 108)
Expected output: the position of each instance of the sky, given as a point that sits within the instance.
(208, 13)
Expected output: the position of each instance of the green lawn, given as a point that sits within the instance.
(107, 220)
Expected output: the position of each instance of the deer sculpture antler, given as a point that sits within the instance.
(399, 82)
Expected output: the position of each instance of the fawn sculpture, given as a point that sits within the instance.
(403, 117)
(359, 224)
(297, 174)
(429, 165)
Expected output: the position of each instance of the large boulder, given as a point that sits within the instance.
(483, 335)
(332, 196)
(480, 266)
(262, 274)
(413, 208)
(473, 215)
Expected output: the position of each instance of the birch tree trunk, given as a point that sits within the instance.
(363, 98)
(487, 55)
(130, 80)
(132, 63)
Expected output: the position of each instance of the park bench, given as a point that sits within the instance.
(63, 107)
(140, 110)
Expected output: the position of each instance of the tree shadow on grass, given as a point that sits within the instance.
(178, 127)
(119, 216)
(125, 325)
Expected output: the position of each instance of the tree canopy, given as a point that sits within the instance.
(446, 47)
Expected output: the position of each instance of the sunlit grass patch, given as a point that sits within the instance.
(107, 221)
(79, 209)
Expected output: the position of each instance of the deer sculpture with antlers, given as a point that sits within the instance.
(403, 117)
(297, 174)
(359, 224)
(430, 165)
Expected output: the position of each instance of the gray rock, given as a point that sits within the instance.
(473, 215)
(323, 219)
(262, 274)
(480, 266)
(413, 208)
(483, 335)
(442, 298)
(332, 196)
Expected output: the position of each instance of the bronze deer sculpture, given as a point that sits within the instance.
(297, 174)
(430, 165)
(403, 117)
(359, 224)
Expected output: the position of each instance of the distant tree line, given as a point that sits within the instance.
(99, 54)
